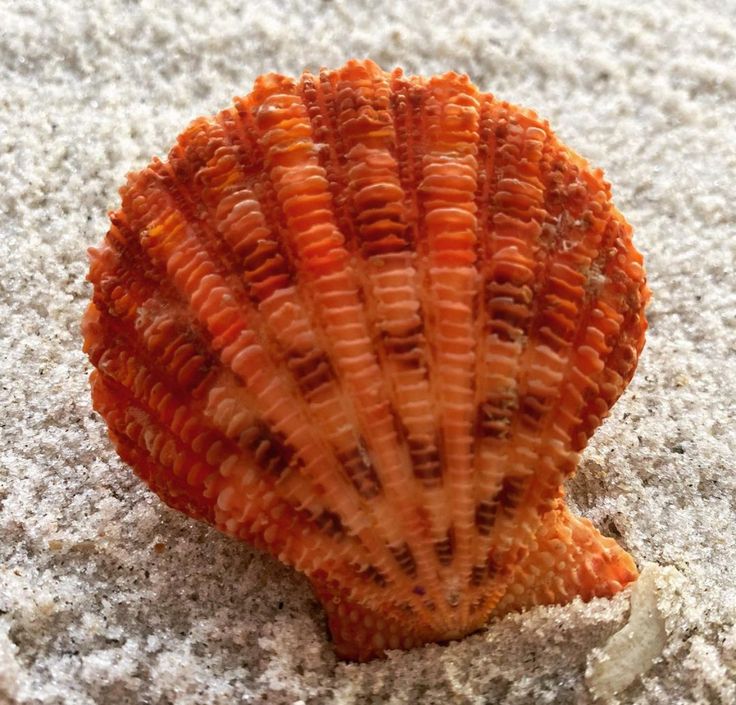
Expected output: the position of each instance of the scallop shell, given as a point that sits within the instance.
(367, 322)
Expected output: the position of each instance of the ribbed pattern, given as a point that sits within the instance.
(366, 322)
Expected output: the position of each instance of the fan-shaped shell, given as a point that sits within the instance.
(366, 322)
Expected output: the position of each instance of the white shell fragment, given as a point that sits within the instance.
(631, 651)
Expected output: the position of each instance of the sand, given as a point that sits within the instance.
(106, 596)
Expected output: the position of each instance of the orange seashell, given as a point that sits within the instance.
(366, 322)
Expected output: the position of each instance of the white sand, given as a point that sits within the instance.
(108, 597)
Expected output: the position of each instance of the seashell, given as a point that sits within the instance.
(367, 322)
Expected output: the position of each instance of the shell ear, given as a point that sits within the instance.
(571, 559)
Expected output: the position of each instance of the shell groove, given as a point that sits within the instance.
(366, 322)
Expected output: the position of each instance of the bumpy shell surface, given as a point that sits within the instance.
(366, 322)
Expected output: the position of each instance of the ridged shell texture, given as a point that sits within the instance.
(366, 322)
